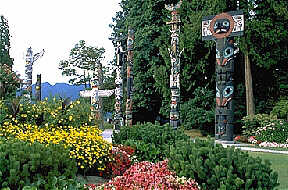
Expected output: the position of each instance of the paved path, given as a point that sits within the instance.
(107, 135)
(253, 149)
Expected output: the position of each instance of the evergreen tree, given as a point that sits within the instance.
(9, 81)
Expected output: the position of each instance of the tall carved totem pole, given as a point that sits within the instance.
(118, 118)
(129, 102)
(30, 59)
(222, 28)
(175, 65)
(95, 95)
(96, 101)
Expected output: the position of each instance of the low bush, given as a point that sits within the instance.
(151, 142)
(36, 165)
(146, 175)
(215, 167)
(252, 122)
(198, 112)
(266, 128)
(85, 143)
(276, 132)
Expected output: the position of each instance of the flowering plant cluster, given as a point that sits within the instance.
(241, 138)
(85, 143)
(121, 159)
(52, 112)
(147, 175)
(265, 128)
(273, 144)
(253, 140)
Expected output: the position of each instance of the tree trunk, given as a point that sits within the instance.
(250, 106)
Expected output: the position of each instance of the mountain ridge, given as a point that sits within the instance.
(63, 90)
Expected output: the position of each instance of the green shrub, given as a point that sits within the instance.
(276, 131)
(251, 123)
(215, 167)
(266, 128)
(281, 109)
(198, 112)
(151, 142)
(25, 164)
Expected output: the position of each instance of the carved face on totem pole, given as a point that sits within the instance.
(224, 95)
(225, 54)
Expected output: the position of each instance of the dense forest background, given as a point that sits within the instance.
(265, 42)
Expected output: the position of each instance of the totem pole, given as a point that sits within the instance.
(222, 28)
(95, 95)
(30, 59)
(38, 88)
(118, 117)
(175, 65)
(129, 102)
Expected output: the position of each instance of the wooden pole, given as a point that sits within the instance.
(250, 106)
(38, 88)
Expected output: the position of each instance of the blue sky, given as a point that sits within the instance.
(56, 26)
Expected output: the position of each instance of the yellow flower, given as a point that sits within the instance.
(70, 117)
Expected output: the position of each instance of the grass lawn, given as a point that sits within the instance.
(279, 164)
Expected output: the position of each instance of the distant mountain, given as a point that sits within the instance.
(59, 89)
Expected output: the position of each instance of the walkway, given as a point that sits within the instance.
(107, 135)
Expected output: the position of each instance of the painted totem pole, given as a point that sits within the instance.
(30, 59)
(118, 120)
(96, 94)
(222, 28)
(129, 102)
(175, 65)
(38, 88)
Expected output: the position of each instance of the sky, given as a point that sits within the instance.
(56, 26)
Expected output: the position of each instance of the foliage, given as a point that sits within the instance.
(281, 109)
(147, 175)
(9, 80)
(85, 143)
(53, 112)
(198, 112)
(215, 167)
(266, 128)
(276, 132)
(151, 141)
(252, 122)
(44, 167)
(82, 62)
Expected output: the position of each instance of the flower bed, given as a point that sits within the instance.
(85, 143)
(147, 175)
(121, 159)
